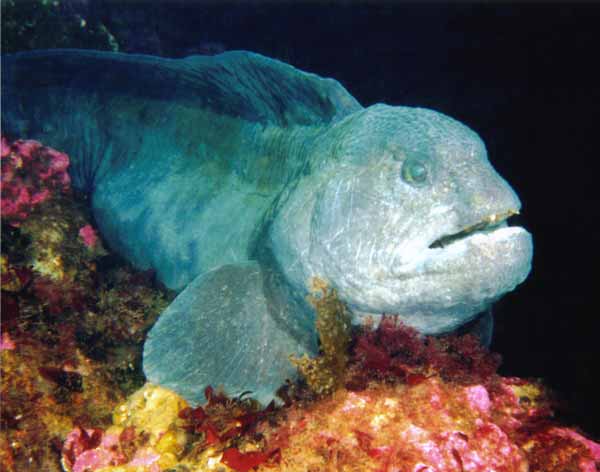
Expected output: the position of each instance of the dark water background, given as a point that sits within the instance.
(522, 75)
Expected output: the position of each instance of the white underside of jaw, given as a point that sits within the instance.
(441, 288)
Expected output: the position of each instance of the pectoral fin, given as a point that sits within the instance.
(229, 327)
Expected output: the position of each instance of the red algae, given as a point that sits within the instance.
(396, 352)
(243, 462)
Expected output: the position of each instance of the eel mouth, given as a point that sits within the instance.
(487, 225)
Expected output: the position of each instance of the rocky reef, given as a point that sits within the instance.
(425, 423)
(73, 317)
(377, 398)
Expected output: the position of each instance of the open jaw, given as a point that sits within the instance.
(487, 225)
(477, 250)
(458, 275)
(447, 280)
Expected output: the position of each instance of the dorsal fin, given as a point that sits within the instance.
(237, 83)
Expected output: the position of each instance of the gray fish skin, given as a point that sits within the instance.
(240, 179)
(357, 222)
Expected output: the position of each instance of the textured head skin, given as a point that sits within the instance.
(389, 186)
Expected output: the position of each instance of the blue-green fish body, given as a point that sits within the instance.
(240, 179)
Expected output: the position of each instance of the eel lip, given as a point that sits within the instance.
(489, 223)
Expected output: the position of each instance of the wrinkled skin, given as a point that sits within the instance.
(391, 182)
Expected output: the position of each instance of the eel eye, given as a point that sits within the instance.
(414, 170)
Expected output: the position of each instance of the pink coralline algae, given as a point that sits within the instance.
(89, 236)
(86, 450)
(31, 174)
(485, 448)
(91, 449)
(6, 343)
(478, 398)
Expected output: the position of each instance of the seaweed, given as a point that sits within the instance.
(324, 374)
(396, 352)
